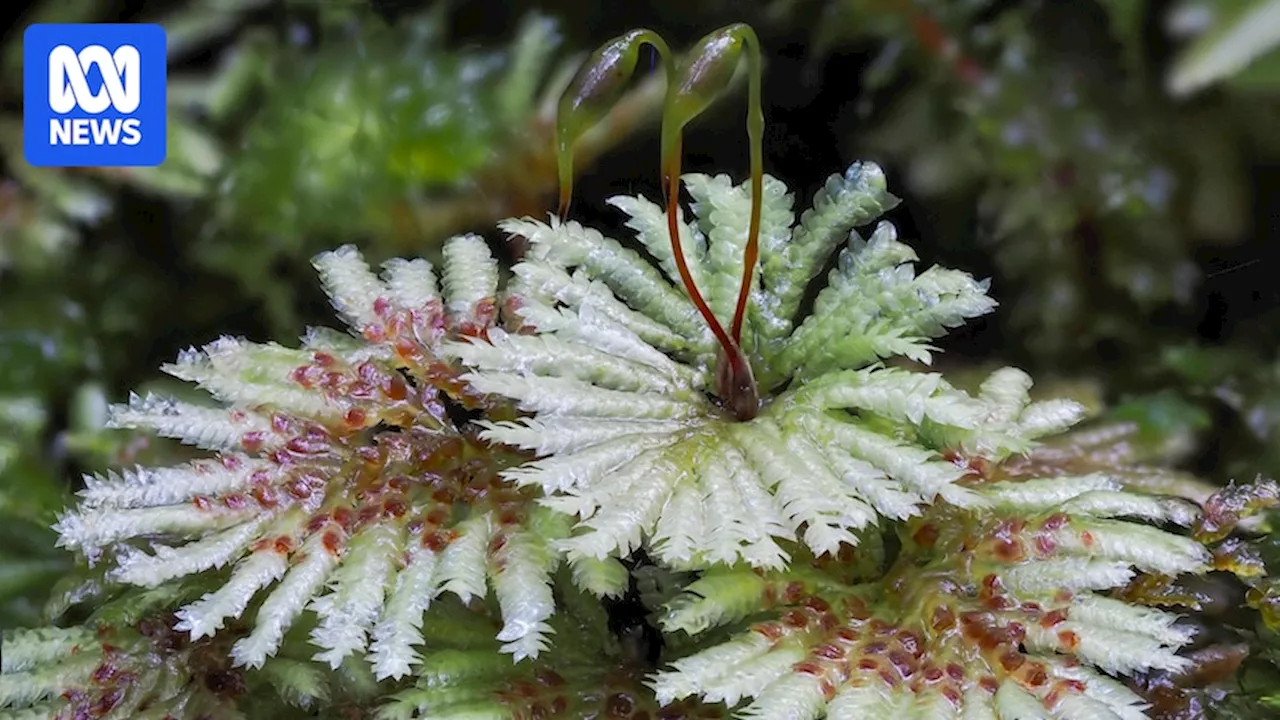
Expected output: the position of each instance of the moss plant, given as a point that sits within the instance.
(427, 516)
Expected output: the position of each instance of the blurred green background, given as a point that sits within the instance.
(1111, 165)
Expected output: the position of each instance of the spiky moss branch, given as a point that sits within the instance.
(618, 377)
(341, 484)
(586, 674)
(1232, 673)
(998, 614)
(1135, 443)
(147, 671)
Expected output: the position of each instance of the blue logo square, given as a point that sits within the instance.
(94, 95)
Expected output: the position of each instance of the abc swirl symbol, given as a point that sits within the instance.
(69, 85)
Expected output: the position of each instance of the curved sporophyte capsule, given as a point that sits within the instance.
(595, 89)
(708, 68)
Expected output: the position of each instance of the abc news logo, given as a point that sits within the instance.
(69, 89)
(94, 95)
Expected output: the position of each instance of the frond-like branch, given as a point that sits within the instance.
(342, 487)
(996, 614)
(145, 670)
(618, 376)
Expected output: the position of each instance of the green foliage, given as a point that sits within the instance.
(1238, 42)
(27, 566)
(587, 673)
(1093, 188)
(64, 311)
(44, 206)
(383, 132)
(367, 141)
(1246, 381)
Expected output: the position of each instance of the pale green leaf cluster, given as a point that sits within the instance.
(618, 380)
(1030, 571)
(77, 672)
(303, 506)
(37, 666)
